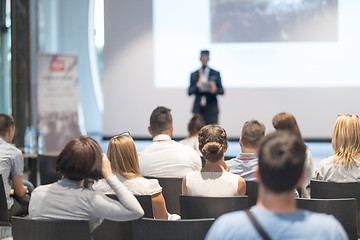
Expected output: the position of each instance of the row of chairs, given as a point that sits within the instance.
(149, 228)
(145, 228)
(172, 188)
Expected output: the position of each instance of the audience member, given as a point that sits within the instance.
(280, 171)
(213, 180)
(194, 126)
(343, 166)
(165, 157)
(11, 168)
(67, 199)
(125, 165)
(247, 161)
(286, 121)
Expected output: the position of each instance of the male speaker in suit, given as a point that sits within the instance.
(205, 83)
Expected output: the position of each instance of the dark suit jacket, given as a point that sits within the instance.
(211, 100)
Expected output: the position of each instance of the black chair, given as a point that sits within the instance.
(30, 229)
(192, 207)
(152, 229)
(343, 210)
(226, 158)
(4, 212)
(252, 192)
(321, 189)
(47, 169)
(111, 230)
(145, 202)
(171, 190)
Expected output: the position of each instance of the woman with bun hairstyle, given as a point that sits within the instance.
(125, 165)
(214, 179)
(286, 121)
(344, 165)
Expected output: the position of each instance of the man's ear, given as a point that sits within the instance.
(171, 131)
(300, 181)
(149, 129)
(240, 142)
(257, 174)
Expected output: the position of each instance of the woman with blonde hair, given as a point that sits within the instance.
(286, 121)
(214, 179)
(66, 199)
(343, 166)
(125, 165)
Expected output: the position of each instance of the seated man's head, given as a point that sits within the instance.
(81, 158)
(281, 161)
(161, 122)
(252, 133)
(195, 124)
(7, 127)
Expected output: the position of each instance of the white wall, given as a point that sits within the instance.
(130, 96)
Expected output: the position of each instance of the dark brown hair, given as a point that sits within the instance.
(81, 158)
(195, 124)
(6, 122)
(160, 120)
(286, 121)
(281, 161)
(212, 142)
(252, 133)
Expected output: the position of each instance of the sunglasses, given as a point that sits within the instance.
(348, 115)
(127, 133)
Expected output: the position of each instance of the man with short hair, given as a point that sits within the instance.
(246, 162)
(11, 168)
(280, 171)
(205, 84)
(165, 157)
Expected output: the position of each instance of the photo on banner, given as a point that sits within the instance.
(57, 82)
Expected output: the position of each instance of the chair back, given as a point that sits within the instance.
(322, 189)
(152, 229)
(47, 169)
(344, 210)
(145, 202)
(193, 207)
(30, 229)
(252, 192)
(4, 212)
(171, 190)
(111, 230)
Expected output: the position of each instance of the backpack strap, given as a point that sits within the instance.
(256, 224)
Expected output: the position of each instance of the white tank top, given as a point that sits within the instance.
(212, 184)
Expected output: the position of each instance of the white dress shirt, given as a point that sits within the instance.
(167, 158)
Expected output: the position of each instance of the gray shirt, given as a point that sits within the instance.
(329, 172)
(11, 165)
(244, 165)
(67, 200)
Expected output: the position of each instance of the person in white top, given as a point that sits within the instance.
(125, 165)
(214, 179)
(344, 165)
(286, 121)
(166, 158)
(194, 126)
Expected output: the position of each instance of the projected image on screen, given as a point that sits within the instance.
(274, 21)
(258, 43)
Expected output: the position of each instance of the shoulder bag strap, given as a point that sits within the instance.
(256, 224)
